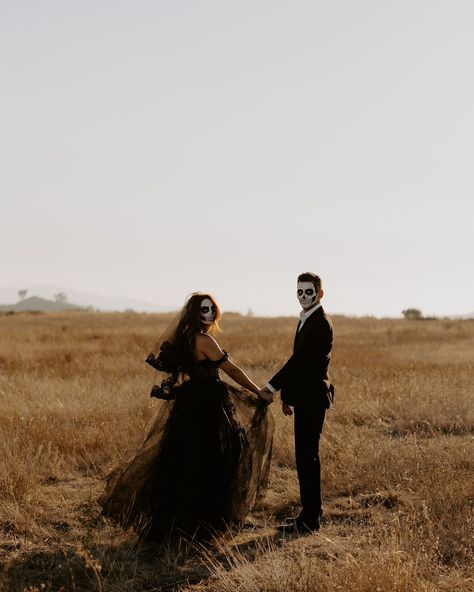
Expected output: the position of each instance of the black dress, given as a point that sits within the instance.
(202, 465)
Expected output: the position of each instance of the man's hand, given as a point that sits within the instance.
(266, 394)
(287, 410)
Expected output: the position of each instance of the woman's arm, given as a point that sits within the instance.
(208, 347)
(239, 376)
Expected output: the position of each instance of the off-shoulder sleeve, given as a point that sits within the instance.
(223, 359)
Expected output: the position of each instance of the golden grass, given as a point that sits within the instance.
(397, 456)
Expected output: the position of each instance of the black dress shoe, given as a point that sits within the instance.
(313, 516)
(300, 526)
(307, 525)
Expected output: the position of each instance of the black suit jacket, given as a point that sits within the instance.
(304, 377)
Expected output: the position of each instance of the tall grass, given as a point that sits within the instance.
(397, 457)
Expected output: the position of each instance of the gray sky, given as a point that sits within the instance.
(153, 148)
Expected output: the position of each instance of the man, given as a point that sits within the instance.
(305, 388)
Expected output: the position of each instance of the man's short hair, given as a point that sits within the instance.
(311, 277)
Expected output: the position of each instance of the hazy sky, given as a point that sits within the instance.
(153, 148)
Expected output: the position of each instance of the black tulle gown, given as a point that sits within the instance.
(202, 465)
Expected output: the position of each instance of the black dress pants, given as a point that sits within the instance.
(309, 419)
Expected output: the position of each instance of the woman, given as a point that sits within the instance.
(207, 454)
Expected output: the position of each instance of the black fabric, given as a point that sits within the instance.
(308, 427)
(305, 374)
(304, 384)
(202, 465)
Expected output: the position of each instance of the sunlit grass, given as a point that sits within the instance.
(397, 455)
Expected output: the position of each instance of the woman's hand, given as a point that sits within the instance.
(266, 394)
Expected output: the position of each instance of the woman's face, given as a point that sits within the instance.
(207, 313)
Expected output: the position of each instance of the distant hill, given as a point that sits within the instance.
(86, 299)
(36, 304)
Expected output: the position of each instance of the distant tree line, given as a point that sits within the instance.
(412, 314)
(60, 297)
(415, 314)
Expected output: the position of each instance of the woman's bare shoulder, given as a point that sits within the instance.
(205, 341)
(204, 338)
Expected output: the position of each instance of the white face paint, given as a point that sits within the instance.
(208, 312)
(307, 295)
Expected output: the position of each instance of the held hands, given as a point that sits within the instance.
(266, 394)
(287, 410)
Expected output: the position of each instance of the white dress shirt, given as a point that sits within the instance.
(304, 316)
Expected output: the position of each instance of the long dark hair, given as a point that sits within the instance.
(177, 344)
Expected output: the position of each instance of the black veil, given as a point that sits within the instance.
(166, 362)
(206, 454)
(172, 355)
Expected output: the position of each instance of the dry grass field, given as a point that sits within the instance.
(397, 458)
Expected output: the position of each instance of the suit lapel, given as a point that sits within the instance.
(311, 319)
(296, 334)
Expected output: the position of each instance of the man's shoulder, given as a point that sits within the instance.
(326, 317)
(321, 316)
(319, 319)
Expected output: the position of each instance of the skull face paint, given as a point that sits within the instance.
(307, 295)
(207, 312)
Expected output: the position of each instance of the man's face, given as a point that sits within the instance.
(207, 313)
(307, 294)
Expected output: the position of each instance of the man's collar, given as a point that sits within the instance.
(304, 314)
